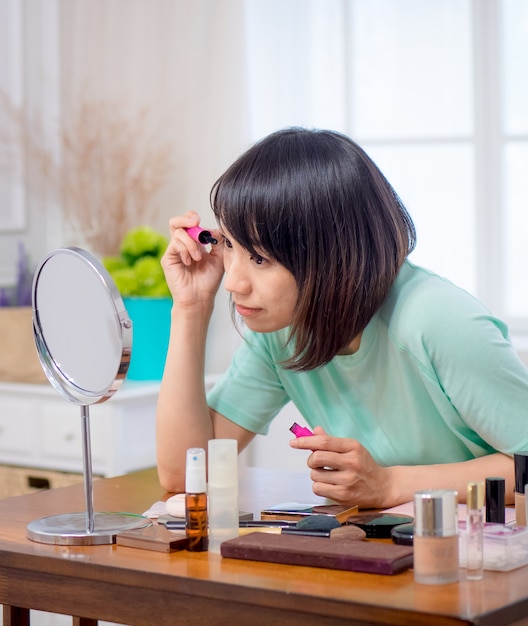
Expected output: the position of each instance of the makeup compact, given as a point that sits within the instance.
(379, 525)
(356, 556)
(403, 534)
(297, 510)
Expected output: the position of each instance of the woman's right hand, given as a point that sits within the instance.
(193, 274)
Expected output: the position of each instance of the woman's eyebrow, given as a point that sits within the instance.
(221, 229)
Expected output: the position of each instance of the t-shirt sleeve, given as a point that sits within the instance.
(477, 367)
(250, 392)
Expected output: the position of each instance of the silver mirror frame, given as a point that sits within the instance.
(60, 380)
(87, 528)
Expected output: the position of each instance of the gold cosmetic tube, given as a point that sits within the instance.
(520, 460)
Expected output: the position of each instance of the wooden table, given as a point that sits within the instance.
(143, 588)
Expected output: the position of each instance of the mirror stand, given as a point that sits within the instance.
(83, 337)
(85, 528)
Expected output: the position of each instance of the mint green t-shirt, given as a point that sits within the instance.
(435, 380)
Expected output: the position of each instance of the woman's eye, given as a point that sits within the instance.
(259, 260)
(228, 244)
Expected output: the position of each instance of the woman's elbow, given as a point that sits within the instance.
(171, 481)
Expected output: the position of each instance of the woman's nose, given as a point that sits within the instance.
(235, 278)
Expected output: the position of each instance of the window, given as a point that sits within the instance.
(29, 45)
(514, 153)
(411, 108)
(436, 92)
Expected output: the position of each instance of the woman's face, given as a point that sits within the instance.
(264, 292)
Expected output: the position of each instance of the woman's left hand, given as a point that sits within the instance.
(344, 471)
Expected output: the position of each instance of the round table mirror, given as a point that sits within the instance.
(83, 337)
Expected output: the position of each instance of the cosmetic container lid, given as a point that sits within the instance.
(520, 460)
(195, 481)
(379, 525)
(495, 507)
(223, 463)
(435, 513)
(403, 534)
(475, 495)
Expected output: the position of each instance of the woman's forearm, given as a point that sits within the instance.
(406, 480)
(182, 420)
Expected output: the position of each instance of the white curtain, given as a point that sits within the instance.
(183, 62)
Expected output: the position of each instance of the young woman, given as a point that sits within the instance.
(407, 381)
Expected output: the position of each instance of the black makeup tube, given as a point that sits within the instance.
(495, 508)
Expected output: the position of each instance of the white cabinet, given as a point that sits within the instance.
(41, 439)
(39, 429)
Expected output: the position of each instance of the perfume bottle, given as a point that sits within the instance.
(196, 501)
(475, 531)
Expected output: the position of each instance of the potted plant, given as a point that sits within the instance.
(105, 169)
(139, 278)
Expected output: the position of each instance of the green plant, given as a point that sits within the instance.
(137, 270)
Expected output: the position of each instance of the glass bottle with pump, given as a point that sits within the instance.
(196, 501)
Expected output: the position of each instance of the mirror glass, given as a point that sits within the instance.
(82, 331)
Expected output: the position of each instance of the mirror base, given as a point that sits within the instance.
(71, 529)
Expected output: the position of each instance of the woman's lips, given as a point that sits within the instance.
(245, 311)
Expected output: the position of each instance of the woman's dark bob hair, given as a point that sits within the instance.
(314, 201)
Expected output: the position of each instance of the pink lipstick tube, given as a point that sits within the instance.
(300, 431)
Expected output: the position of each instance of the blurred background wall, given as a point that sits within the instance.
(434, 90)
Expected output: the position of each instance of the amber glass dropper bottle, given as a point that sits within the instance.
(196, 501)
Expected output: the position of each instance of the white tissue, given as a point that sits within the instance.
(176, 505)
